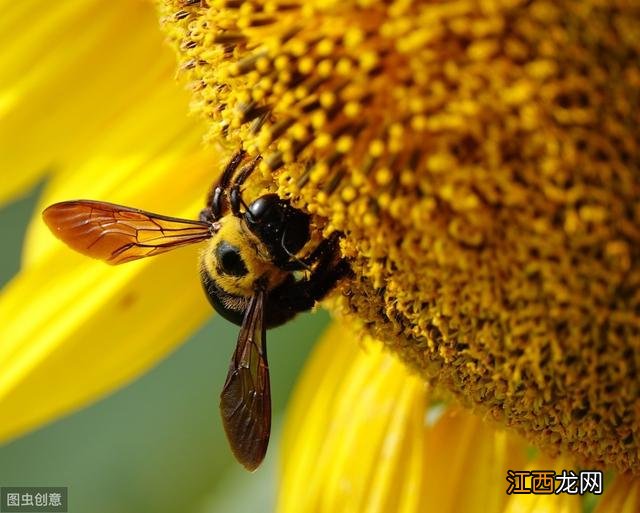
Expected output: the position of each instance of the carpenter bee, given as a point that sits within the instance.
(253, 271)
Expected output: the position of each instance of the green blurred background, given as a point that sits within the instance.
(157, 445)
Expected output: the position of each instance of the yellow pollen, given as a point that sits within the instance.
(298, 47)
(352, 109)
(324, 68)
(353, 37)
(281, 62)
(319, 173)
(482, 160)
(368, 60)
(348, 194)
(327, 99)
(325, 47)
(299, 131)
(323, 140)
(318, 119)
(376, 148)
(306, 65)
(369, 219)
(344, 143)
(384, 176)
(344, 67)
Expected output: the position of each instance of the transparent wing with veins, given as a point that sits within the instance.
(245, 401)
(119, 234)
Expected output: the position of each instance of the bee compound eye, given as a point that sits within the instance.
(229, 260)
(267, 210)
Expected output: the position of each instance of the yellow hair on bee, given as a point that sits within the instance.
(254, 254)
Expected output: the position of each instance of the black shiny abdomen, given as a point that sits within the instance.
(233, 308)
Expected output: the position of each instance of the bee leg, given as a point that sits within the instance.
(235, 195)
(293, 297)
(206, 215)
(323, 280)
(215, 198)
(326, 248)
(322, 251)
(330, 268)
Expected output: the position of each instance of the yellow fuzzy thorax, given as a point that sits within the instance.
(482, 158)
(255, 256)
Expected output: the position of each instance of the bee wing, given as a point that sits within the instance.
(245, 401)
(118, 234)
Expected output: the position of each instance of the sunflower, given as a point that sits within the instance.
(481, 158)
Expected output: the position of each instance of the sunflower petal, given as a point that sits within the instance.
(360, 437)
(75, 329)
(544, 504)
(156, 178)
(464, 453)
(623, 496)
(82, 328)
(88, 74)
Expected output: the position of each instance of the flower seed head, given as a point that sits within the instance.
(483, 160)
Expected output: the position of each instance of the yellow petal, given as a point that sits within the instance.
(464, 453)
(68, 73)
(322, 383)
(561, 503)
(360, 437)
(73, 329)
(623, 496)
(142, 176)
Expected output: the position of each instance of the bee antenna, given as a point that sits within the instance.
(291, 255)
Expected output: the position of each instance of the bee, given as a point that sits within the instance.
(253, 271)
